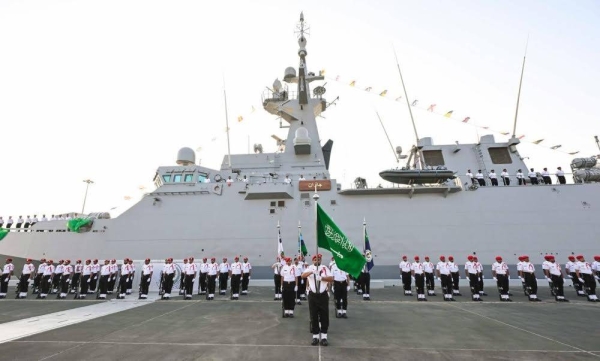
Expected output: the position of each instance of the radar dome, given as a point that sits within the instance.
(289, 73)
(277, 85)
(186, 156)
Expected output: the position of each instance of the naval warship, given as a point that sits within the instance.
(431, 207)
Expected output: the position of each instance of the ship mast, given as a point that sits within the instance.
(519, 93)
(302, 88)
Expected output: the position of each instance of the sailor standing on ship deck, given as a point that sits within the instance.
(203, 276)
(546, 176)
(105, 274)
(94, 277)
(57, 276)
(318, 277)
(455, 273)
(596, 267)
(114, 270)
(124, 279)
(472, 274)
(479, 275)
(493, 178)
(182, 280)
(546, 270)
(223, 276)
(26, 275)
(247, 272)
(480, 178)
(560, 175)
(131, 277)
(405, 276)
(147, 270)
(470, 176)
(298, 273)
(533, 176)
(65, 280)
(365, 281)
(520, 177)
(505, 177)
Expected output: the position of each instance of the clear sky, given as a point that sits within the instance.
(110, 90)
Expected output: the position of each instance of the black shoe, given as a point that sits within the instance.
(452, 299)
(291, 315)
(324, 342)
(315, 342)
(285, 315)
(344, 315)
(564, 300)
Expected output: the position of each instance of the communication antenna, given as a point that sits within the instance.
(388, 138)
(227, 125)
(519, 93)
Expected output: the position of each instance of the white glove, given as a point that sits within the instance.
(521, 278)
(149, 279)
(569, 276)
(68, 281)
(548, 279)
(347, 288)
(6, 279)
(482, 277)
(439, 279)
(295, 288)
(249, 277)
(495, 279)
(88, 281)
(581, 280)
(596, 277)
(128, 280)
(318, 278)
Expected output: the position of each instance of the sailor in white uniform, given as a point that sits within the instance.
(546, 270)
(546, 176)
(123, 280)
(203, 276)
(428, 268)
(505, 177)
(530, 280)
(223, 276)
(501, 275)
(299, 270)
(169, 274)
(472, 274)
(405, 275)
(341, 281)
(57, 276)
(105, 274)
(26, 275)
(85, 279)
(443, 272)
(236, 278)
(560, 175)
(318, 277)
(416, 270)
(190, 277)
(289, 286)
(570, 268)
(480, 178)
(480, 275)
(213, 269)
(470, 176)
(94, 277)
(454, 272)
(246, 275)
(182, 280)
(37, 280)
(533, 176)
(493, 178)
(556, 275)
(47, 280)
(147, 271)
(596, 267)
(65, 280)
(277, 277)
(77, 270)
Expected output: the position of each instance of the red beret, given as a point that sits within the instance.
(498, 258)
(442, 258)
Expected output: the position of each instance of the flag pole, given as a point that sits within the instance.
(278, 239)
(299, 245)
(316, 199)
(364, 233)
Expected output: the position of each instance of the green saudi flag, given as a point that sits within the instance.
(347, 257)
(3, 233)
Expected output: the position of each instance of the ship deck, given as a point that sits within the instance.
(391, 326)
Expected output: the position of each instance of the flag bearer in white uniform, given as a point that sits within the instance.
(501, 275)
(47, 280)
(556, 275)
(416, 269)
(318, 277)
(213, 269)
(429, 276)
(586, 277)
(26, 275)
(203, 276)
(289, 286)
(443, 273)
(405, 275)
(341, 281)
(169, 274)
(246, 274)
(105, 274)
(190, 277)
(571, 269)
(147, 271)
(236, 278)
(223, 276)
(77, 269)
(530, 280)
(37, 281)
(65, 280)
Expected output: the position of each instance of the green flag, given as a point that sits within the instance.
(3, 233)
(76, 223)
(303, 248)
(330, 237)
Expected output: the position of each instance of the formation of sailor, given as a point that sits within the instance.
(289, 287)
(405, 274)
(318, 278)
(341, 286)
(235, 272)
(246, 275)
(501, 275)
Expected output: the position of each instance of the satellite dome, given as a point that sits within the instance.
(186, 156)
(290, 73)
(277, 85)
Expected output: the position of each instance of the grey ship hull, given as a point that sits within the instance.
(505, 221)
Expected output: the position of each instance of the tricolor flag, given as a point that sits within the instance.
(449, 114)
(383, 93)
(331, 238)
(279, 243)
(538, 141)
(368, 254)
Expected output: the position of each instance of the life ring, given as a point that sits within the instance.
(218, 178)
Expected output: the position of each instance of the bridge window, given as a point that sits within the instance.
(433, 157)
(201, 177)
(281, 204)
(500, 155)
(177, 178)
(167, 178)
(188, 178)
